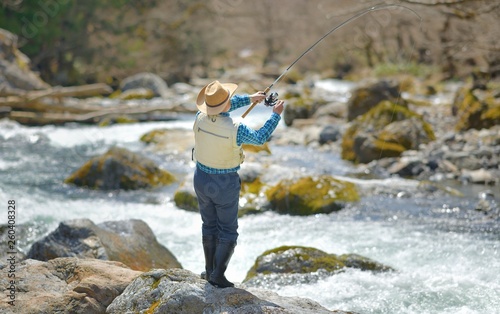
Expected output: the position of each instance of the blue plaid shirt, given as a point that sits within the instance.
(245, 135)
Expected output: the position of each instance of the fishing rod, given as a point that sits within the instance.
(272, 98)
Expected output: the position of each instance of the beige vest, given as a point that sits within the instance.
(215, 142)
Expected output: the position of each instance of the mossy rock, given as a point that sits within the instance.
(187, 200)
(476, 109)
(136, 93)
(120, 168)
(154, 136)
(302, 260)
(366, 97)
(386, 130)
(309, 195)
(257, 148)
(123, 119)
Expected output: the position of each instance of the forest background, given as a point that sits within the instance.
(78, 42)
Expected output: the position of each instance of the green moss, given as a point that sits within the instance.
(474, 113)
(301, 260)
(414, 69)
(374, 121)
(153, 136)
(308, 196)
(135, 172)
(257, 148)
(294, 259)
(388, 149)
(153, 307)
(253, 187)
(348, 144)
(186, 200)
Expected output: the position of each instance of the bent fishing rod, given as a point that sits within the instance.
(272, 98)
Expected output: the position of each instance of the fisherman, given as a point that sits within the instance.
(218, 154)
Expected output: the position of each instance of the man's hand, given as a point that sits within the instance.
(257, 97)
(278, 108)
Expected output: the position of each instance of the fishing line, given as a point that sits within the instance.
(273, 97)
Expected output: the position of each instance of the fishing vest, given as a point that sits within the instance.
(215, 142)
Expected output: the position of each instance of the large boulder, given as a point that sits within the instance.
(15, 73)
(386, 130)
(65, 285)
(120, 168)
(311, 195)
(476, 109)
(367, 96)
(131, 242)
(145, 80)
(183, 292)
(303, 260)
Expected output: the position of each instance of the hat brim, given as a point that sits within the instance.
(202, 106)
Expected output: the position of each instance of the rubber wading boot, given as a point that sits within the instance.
(223, 254)
(209, 246)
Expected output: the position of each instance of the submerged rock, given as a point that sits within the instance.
(181, 291)
(120, 168)
(303, 260)
(66, 285)
(131, 242)
(311, 195)
(185, 196)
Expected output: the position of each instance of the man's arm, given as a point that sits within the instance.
(247, 135)
(238, 101)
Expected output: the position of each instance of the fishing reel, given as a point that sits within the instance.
(271, 100)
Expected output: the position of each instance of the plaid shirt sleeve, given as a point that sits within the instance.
(238, 101)
(247, 135)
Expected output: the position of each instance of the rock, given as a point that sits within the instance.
(299, 108)
(247, 148)
(136, 93)
(170, 140)
(370, 95)
(334, 109)
(302, 260)
(66, 285)
(183, 292)
(185, 196)
(408, 167)
(15, 73)
(329, 134)
(387, 130)
(481, 176)
(131, 242)
(146, 80)
(476, 109)
(311, 195)
(120, 168)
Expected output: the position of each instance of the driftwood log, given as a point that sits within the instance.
(32, 107)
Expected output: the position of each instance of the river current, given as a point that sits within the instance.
(446, 253)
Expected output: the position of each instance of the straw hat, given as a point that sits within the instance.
(214, 97)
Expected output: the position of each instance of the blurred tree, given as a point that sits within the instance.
(57, 35)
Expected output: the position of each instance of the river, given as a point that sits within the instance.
(446, 254)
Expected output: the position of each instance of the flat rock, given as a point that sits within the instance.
(65, 285)
(181, 291)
